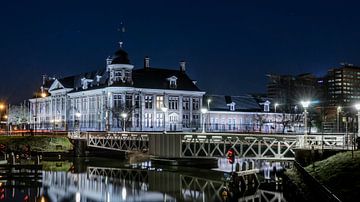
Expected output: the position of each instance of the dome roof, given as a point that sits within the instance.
(120, 57)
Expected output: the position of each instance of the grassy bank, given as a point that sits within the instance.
(37, 143)
(340, 173)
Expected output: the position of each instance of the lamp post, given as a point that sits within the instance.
(208, 103)
(42, 95)
(164, 109)
(124, 115)
(203, 112)
(357, 106)
(338, 110)
(305, 105)
(275, 106)
(2, 107)
(78, 117)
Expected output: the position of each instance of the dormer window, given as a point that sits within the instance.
(98, 77)
(266, 106)
(231, 106)
(85, 83)
(117, 75)
(172, 82)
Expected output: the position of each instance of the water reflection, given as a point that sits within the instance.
(142, 183)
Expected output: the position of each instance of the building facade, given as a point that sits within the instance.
(289, 90)
(119, 97)
(248, 113)
(342, 85)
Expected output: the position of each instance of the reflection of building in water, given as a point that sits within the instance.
(114, 184)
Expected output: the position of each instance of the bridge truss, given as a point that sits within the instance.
(204, 145)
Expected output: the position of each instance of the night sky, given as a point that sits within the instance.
(229, 45)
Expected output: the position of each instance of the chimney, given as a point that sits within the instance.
(146, 62)
(182, 66)
(44, 78)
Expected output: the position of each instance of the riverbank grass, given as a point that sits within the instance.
(340, 173)
(37, 143)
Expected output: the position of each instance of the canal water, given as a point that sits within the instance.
(105, 180)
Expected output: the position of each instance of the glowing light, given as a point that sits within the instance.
(77, 197)
(357, 106)
(78, 114)
(124, 115)
(123, 193)
(204, 110)
(305, 104)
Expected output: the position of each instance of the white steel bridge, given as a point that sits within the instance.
(206, 145)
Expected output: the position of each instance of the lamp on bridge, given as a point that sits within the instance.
(338, 110)
(305, 105)
(357, 107)
(124, 115)
(203, 112)
(164, 109)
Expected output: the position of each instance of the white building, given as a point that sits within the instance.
(143, 98)
(247, 113)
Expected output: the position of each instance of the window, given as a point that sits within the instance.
(92, 104)
(148, 102)
(173, 103)
(148, 120)
(186, 103)
(159, 101)
(137, 120)
(172, 83)
(128, 101)
(84, 105)
(159, 120)
(117, 100)
(196, 120)
(117, 75)
(232, 106)
(196, 103)
(186, 120)
(137, 101)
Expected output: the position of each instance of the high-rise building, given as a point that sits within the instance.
(288, 90)
(342, 85)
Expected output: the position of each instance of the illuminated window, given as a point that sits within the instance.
(159, 102)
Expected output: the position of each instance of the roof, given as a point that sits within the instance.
(242, 102)
(150, 78)
(120, 57)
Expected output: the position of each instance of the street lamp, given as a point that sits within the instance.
(2, 107)
(338, 110)
(203, 112)
(275, 105)
(357, 106)
(208, 103)
(124, 115)
(305, 105)
(164, 109)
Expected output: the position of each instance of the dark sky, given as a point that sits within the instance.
(229, 45)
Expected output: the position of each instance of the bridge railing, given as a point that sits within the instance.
(173, 145)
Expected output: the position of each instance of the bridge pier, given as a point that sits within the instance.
(80, 146)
